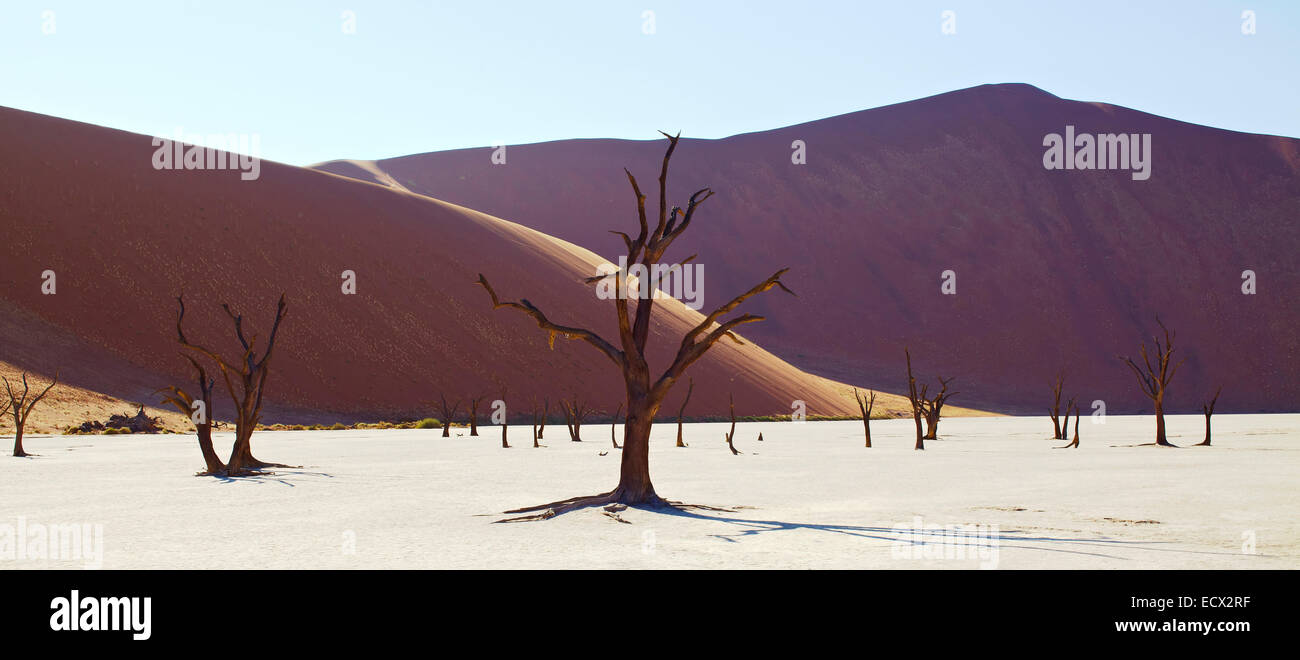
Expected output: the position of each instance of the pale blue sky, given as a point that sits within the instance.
(423, 75)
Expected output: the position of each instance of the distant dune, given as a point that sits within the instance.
(124, 240)
(1054, 268)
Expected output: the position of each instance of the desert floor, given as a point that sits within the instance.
(808, 496)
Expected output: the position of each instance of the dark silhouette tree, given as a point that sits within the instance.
(1208, 409)
(201, 417)
(865, 403)
(250, 372)
(473, 415)
(644, 392)
(539, 421)
(682, 411)
(448, 415)
(1074, 443)
(731, 435)
(1065, 428)
(20, 408)
(1055, 410)
(917, 399)
(1154, 377)
(505, 421)
(932, 409)
(575, 414)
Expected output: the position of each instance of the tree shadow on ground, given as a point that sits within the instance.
(282, 477)
(970, 542)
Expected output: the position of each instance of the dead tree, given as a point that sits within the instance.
(1065, 428)
(1208, 409)
(865, 403)
(933, 409)
(1154, 378)
(574, 415)
(539, 422)
(20, 408)
(1055, 410)
(917, 399)
(645, 393)
(505, 421)
(682, 411)
(448, 412)
(613, 425)
(473, 415)
(731, 435)
(199, 411)
(251, 372)
(1074, 443)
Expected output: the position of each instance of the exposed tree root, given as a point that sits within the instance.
(614, 497)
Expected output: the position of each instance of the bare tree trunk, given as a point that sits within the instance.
(505, 424)
(473, 417)
(731, 435)
(1065, 428)
(1075, 442)
(1076, 427)
(19, 452)
(448, 412)
(613, 425)
(866, 402)
(546, 412)
(1160, 425)
(634, 486)
(1055, 410)
(917, 399)
(682, 411)
(1208, 409)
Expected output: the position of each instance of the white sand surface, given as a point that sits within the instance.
(808, 496)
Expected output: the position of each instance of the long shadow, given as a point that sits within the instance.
(272, 477)
(921, 537)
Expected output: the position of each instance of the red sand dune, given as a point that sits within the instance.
(1054, 268)
(124, 239)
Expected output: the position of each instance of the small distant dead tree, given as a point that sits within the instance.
(865, 403)
(575, 414)
(1154, 377)
(731, 435)
(1075, 442)
(251, 373)
(917, 399)
(1208, 409)
(539, 422)
(645, 392)
(473, 415)
(201, 416)
(682, 411)
(1055, 410)
(505, 421)
(1065, 428)
(933, 408)
(448, 413)
(613, 426)
(20, 408)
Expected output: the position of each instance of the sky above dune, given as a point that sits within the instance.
(316, 81)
